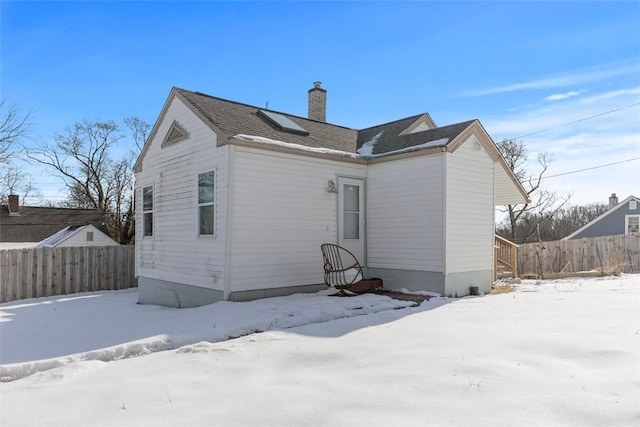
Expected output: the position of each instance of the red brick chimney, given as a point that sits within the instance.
(14, 208)
(317, 103)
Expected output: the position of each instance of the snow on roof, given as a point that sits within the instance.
(367, 147)
(58, 237)
(429, 144)
(269, 141)
(17, 245)
(365, 152)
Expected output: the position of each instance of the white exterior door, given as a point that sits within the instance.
(351, 227)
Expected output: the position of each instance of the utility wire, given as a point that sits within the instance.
(578, 121)
(591, 168)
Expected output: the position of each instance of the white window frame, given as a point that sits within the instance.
(145, 212)
(211, 203)
(633, 205)
(626, 223)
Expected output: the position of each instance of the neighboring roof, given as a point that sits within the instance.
(35, 224)
(598, 219)
(60, 236)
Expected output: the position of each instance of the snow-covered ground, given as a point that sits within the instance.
(563, 352)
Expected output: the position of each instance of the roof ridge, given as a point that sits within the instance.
(415, 116)
(206, 95)
(54, 207)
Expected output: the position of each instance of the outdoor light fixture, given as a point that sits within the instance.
(331, 187)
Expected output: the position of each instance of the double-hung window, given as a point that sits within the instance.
(206, 203)
(632, 224)
(147, 211)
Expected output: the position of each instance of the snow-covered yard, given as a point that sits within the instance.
(563, 352)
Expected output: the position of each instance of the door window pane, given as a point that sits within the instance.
(351, 198)
(351, 226)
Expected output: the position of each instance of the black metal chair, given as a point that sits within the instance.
(341, 267)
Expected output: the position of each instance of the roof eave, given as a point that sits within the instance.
(175, 93)
(291, 150)
(476, 128)
(380, 158)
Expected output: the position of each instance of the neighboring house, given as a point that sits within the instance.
(233, 201)
(77, 235)
(26, 226)
(621, 218)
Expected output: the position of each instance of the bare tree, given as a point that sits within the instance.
(139, 130)
(84, 158)
(13, 126)
(13, 180)
(565, 221)
(571, 218)
(523, 220)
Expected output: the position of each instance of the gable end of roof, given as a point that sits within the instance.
(598, 219)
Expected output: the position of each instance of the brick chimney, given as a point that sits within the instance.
(317, 103)
(14, 208)
(613, 200)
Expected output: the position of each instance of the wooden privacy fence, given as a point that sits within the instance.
(31, 273)
(609, 254)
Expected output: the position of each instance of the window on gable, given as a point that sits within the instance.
(633, 205)
(175, 134)
(89, 236)
(632, 224)
(147, 211)
(206, 203)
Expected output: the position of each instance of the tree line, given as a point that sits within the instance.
(94, 160)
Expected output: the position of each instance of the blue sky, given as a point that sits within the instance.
(519, 67)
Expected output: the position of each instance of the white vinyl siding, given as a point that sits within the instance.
(506, 191)
(282, 213)
(80, 238)
(405, 214)
(176, 253)
(469, 209)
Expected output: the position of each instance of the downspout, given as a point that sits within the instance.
(228, 234)
(445, 224)
(494, 260)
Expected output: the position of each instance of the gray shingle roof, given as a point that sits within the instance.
(391, 140)
(37, 223)
(234, 118)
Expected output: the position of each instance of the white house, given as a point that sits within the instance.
(233, 201)
(77, 235)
